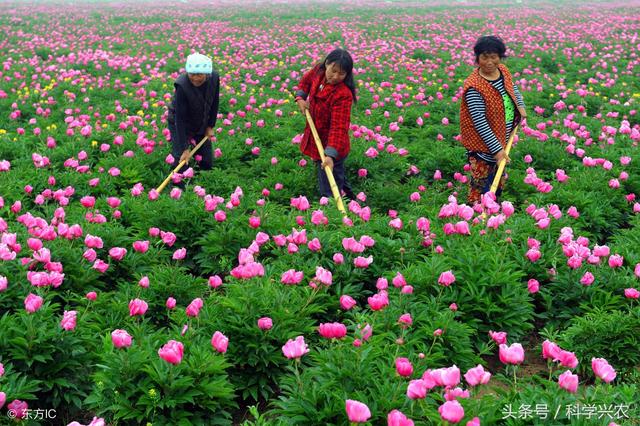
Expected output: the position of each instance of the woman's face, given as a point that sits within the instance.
(197, 79)
(488, 62)
(334, 74)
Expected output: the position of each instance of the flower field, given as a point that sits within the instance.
(247, 299)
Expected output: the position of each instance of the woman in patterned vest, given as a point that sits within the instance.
(194, 109)
(491, 107)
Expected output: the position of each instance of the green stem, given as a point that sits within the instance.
(313, 293)
(439, 293)
(398, 346)
(423, 404)
(432, 344)
(297, 374)
(595, 389)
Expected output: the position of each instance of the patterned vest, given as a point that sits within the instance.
(495, 110)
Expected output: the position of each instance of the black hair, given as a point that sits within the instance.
(489, 44)
(343, 59)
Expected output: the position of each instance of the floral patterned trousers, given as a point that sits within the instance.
(482, 175)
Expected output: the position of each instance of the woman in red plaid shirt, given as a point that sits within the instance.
(328, 92)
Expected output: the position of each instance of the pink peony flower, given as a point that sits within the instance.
(347, 302)
(405, 320)
(170, 303)
(451, 411)
(292, 277)
(120, 339)
(631, 293)
(141, 246)
(265, 323)
(333, 330)
(32, 303)
(219, 342)
(417, 389)
(137, 307)
(172, 352)
(193, 310)
(513, 354)
(587, 278)
(500, 337)
(397, 418)
(477, 376)
(215, 281)
(117, 253)
(357, 411)
(602, 369)
(446, 278)
(68, 321)
(323, 276)
(295, 348)
(568, 381)
(19, 409)
(404, 367)
(363, 262)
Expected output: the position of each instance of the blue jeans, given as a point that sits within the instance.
(338, 175)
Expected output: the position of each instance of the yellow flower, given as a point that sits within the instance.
(94, 143)
(152, 393)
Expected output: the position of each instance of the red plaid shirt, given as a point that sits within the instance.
(330, 108)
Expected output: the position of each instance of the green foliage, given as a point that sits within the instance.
(340, 370)
(611, 335)
(135, 385)
(414, 75)
(56, 362)
(259, 362)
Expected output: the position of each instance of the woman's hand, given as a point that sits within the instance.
(523, 112)
(502, 155)
(209, 132)
(328, 162)
(302, 105)
(185, 157)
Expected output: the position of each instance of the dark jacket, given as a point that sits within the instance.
(193, 109)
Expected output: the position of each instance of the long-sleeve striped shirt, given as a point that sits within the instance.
(477, 109)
